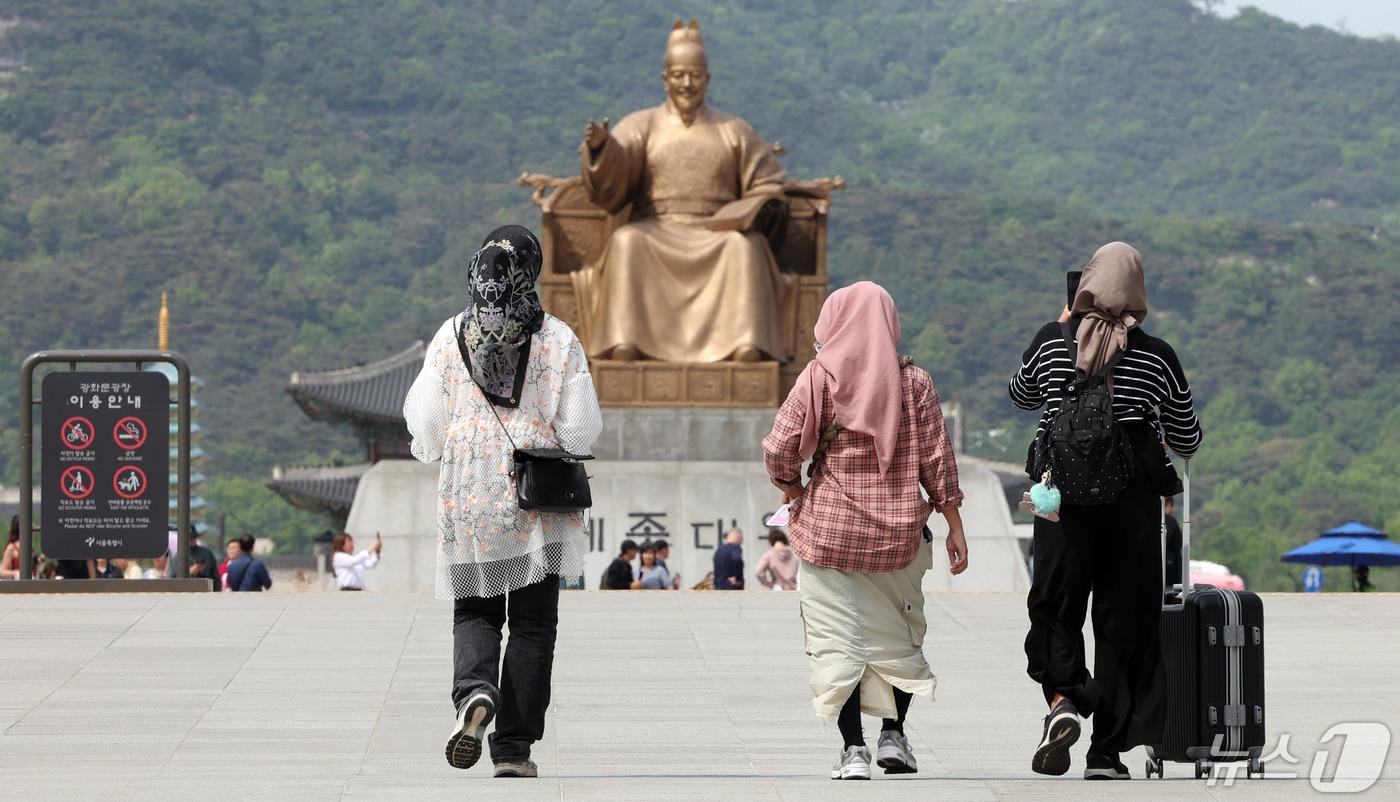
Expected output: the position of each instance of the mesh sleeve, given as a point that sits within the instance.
(579, 421)
(425, 409)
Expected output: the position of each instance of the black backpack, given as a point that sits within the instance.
(1085, 450)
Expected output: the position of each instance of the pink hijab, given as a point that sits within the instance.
(858, 332)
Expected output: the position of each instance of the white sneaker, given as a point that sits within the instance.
(464, 744)
(894, 754)
(853, 765)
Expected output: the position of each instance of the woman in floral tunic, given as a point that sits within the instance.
(502, 365)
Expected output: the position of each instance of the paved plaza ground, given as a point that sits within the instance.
(656, 696)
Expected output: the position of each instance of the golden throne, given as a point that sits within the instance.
(573, 233)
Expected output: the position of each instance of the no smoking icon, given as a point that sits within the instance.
(130, 433)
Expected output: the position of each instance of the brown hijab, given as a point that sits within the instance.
(1111, 301)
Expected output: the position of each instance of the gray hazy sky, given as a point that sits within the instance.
(1361, 17)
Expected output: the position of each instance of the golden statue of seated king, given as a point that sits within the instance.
(708, 254)
(683, 281)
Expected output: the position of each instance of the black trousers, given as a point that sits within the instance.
(522, 692)
(1113, 551)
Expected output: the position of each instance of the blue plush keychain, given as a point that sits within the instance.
(1043, 498)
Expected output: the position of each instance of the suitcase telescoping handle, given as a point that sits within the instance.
(1186, 530)
(1185, 534)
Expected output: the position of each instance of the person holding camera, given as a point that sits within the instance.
(350, 567)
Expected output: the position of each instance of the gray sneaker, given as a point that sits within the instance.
(517, 768)
(853, 765)
(894, 754)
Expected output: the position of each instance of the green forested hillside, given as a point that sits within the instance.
(306, 177)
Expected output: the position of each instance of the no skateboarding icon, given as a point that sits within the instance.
(129, 482)
(77, 433)
(76, 482)
(130, 433)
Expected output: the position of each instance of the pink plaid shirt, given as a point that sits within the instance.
(850, 518)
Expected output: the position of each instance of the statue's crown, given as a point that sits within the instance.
(681, 33)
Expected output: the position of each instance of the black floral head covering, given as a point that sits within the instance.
(504, 312)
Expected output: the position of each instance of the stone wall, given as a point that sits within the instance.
(685, 475)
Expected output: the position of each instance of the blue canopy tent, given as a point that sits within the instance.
(1354, 529)
(1353, 543)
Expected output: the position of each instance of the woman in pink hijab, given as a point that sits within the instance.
(871, 424)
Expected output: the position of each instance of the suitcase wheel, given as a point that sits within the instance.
(1202, 769)
(1255, 768)
(1154, 766)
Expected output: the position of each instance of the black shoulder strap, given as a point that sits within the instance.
(1110, 364)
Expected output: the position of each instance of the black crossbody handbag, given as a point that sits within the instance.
(546, 479)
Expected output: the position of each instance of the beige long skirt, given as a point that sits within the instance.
(867, 629)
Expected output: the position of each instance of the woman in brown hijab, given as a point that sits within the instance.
(1111, 549)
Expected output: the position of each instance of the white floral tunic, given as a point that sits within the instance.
(487, 545)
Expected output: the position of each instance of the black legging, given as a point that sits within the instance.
(849, 720)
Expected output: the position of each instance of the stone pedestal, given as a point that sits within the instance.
(685, 475)
(668, 384)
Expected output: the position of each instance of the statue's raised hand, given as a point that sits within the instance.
(595, 135)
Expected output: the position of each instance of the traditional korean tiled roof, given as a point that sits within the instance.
(366, 393)
(329, 490)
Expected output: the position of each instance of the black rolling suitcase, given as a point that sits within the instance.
(1213, 650)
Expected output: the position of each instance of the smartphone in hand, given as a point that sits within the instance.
(1072, 286)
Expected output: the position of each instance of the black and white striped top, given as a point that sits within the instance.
(1148, 385)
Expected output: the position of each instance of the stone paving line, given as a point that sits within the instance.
(685, 695)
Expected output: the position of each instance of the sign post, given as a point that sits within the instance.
(105, 467)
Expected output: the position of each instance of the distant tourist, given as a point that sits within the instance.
(651, 574)
(203, 563)
(1111, 548)
(729, 562)
(130, 568)
(349, 566)
(663, 553)
(75, 569)
(160, 567)
(247, 572)
(872, 426)
(9, 563)
(502, 375)
(231, 551)
(108, 569)
(1361, 579)
(777, 568)
(618, 575)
